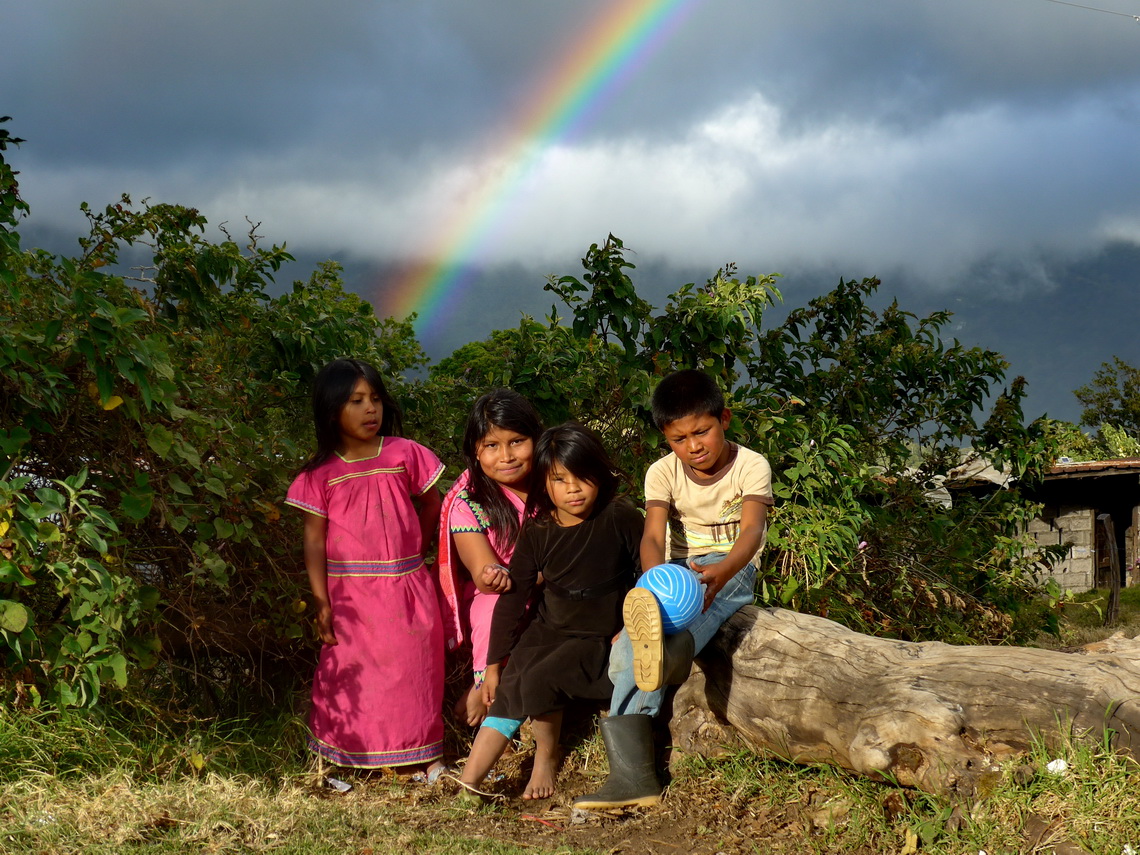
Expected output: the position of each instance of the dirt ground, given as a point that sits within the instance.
(688, 820)
(696, 816)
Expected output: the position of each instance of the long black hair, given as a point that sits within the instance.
(504, 409)
(332, 388)
(578, 450)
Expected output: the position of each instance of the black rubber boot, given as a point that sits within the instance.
(658, 659)
(679, 651)
(632, 779)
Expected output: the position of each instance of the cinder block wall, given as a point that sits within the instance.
(1070, 523)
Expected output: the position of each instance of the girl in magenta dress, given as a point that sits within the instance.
(371, 507)
(480, 523)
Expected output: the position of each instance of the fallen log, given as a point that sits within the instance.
(933, 716)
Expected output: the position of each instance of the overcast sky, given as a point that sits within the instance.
(977, 155)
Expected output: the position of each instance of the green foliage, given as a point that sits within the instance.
(55, 561)
(151, 419)
(601, 368)
(1118, 443)
(12, 207)
(889, 376)
(1112, 397)
(148, 429)
(1110, 442)
(1072, 442)
(861, 415)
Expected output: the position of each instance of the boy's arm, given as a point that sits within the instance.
(653, 537)
(753, 521)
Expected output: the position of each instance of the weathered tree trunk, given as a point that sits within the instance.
(933, 716)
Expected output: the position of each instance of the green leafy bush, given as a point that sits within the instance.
(861, 414)
(148, 429)
(152, 415)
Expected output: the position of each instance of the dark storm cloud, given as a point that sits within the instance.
(110, 83)
(972, 151)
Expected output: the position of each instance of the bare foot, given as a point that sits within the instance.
(541, 783)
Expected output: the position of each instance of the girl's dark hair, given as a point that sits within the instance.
(504, 409)
(579, 451)
(332, 388)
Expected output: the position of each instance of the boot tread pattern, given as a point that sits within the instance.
(643, 623)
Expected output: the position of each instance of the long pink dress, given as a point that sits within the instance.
(378, 692)
(467, 610)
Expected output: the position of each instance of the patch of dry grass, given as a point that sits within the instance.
(98, 784)
(1082, 619)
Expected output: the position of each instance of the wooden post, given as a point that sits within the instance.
(1112, 613)
(1133, 555)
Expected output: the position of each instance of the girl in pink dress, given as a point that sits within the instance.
(480, 522)
(371, 508)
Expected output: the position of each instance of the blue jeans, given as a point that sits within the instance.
(627, 699)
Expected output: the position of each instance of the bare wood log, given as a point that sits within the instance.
(934, 716)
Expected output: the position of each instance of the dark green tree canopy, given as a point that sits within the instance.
(1112, 397)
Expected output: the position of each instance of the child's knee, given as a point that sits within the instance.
(621, 657)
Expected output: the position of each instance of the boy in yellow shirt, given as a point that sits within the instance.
(706, 508)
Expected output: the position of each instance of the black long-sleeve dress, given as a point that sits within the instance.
(563, 653)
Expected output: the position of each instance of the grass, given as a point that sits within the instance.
(1082, 618)
(123, 784)
(1094, 803)
(99, 783)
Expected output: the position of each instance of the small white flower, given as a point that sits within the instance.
(1128, 850)
(1057, 767)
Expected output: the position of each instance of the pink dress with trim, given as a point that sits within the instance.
(467, 610)
(378, 692)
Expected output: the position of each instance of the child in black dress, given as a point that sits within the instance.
(586, 544)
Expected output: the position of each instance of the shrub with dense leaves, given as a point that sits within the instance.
(861, 413)
(148, 429)
(152, 415)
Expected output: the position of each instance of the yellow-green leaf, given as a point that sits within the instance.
(13, 616)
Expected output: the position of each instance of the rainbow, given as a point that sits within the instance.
(595, 67)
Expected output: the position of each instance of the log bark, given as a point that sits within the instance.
(933, 716)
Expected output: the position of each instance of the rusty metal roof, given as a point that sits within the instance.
(977, 470)
(1092, 468)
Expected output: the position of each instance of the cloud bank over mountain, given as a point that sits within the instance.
(979, 155)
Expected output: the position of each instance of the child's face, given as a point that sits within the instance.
(573, 498)
(699, 440)
(361, 415)
(505, 456)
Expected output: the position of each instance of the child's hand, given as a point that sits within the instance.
(490, 685)
(496, 577)
(325, 625)
(713, 577)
